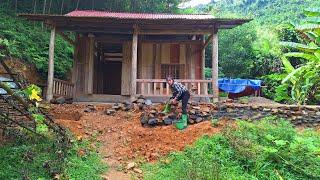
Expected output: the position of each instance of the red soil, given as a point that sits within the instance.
(122, 136)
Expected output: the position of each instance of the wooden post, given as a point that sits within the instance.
(51, 65)
(134, 62)
(90, 64)
(203, 61)
(215, 88)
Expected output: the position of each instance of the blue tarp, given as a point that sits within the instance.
(238, 85)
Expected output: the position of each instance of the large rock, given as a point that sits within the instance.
(144, 119)
(167, 121)
(172, 116)
(148, 102)
(60, 100)
(199, 119)
(90, 108)
(110, 112)
(131, 165)
(153, 121)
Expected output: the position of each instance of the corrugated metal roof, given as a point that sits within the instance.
(145, 16)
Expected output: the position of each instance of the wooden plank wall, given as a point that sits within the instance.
(81, 64)
(154, 54)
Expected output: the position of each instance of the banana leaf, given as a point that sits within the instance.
(313, 20)
(307, 27)
(308, 48)
(287, 65)
(291, 75)
(309, 57)
(312, 12)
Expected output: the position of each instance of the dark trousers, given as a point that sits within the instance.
(185, 98)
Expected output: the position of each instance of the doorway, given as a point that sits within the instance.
(108, 69)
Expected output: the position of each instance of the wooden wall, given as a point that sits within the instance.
(154, 54)
(81, 62)
(150, 57)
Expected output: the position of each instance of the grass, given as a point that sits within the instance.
(268, 149)
(37, 159)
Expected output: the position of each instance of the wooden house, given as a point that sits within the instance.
(122, 55)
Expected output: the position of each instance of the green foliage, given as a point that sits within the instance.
(268, 149)
(27, 41)
(235, 51)
(35, 159)
(304, 80)
(275, 89)
(252, 50)
(87, 166)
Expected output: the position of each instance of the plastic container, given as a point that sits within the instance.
(180, 125)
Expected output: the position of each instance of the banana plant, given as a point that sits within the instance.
(304, 80)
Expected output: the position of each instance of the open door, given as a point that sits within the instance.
(108, 69)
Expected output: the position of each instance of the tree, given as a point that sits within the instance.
(304, 80)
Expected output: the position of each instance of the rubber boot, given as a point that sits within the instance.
(167, 108)
(184, 119)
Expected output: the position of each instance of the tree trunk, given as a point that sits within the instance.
(44, 7)
(61, 10)
(50, 3)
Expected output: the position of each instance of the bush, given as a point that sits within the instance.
(38, 158)
(29, 42)
(269, 149)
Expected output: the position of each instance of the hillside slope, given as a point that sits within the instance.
(264, 11)
(29, 42)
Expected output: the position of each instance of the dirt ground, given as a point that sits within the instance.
(123, 138)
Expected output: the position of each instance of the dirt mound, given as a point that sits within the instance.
(24, 69)
(122, 136)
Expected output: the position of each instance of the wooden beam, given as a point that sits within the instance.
(134, 63)
(51, 65)
(215, 88)
(173, 31)
(65, 37)
(207, 42)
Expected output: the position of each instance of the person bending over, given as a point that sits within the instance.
(180, 93)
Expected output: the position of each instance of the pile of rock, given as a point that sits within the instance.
(155, 117)
(139, 103)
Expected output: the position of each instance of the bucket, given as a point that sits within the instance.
(179, 125)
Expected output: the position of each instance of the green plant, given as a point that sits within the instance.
(36, 158)
(215, 122)
(267, 149)
(304, 80)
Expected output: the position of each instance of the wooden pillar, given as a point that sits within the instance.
(134, 60)
(203, 56)
(90, 64)
(51, 65)
(215, 88)
(204, 87)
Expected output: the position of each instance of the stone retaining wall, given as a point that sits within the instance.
(297, 115)
(152, 113)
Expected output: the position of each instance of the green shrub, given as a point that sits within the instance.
(269, 149)
(38, 158)
(29, 42)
